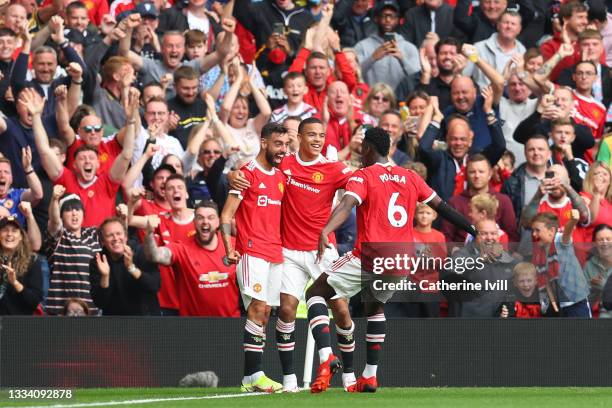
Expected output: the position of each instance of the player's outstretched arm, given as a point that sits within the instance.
(229, 209)
(452, 215)
(338, 217)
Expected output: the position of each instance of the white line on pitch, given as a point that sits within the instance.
(142, 401)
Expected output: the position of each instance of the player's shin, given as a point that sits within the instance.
(375, 337)
(318, 319)
(253, 351)
(346, 344)
(285, 341)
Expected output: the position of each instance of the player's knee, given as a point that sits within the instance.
(287, 311)
(257, 312)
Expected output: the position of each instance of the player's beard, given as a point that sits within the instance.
(270, 158)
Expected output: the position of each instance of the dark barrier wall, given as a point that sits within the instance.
(149, 352)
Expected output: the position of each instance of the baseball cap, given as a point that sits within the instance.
(168, 167)
(12, 219)
(74, 36)
(70, 202)
(147, 10)
(380, 6)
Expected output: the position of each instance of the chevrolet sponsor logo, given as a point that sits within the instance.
(213, 276)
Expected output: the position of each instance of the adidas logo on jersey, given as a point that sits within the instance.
(262, 185)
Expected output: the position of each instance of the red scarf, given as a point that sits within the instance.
(546, 265)
(460, 178)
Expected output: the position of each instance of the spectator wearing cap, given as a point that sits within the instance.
(386, 56)
(123, 282)
(77, 18)
(481, 23)
(172, 52)
(45, 63)
(353, 20)
(433, 16)
(193, 16)
(20, 271)
(145, 41)
(69, 248)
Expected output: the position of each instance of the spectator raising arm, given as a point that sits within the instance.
(35, 191)
(34, 103)
(75, 71)
(128, 25)
(122, 162)
(62, 116)
(33, 231)
(54, 225)
(153, 253)
(232, 93)
(496, 78)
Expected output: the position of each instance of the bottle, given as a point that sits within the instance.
(404, 111)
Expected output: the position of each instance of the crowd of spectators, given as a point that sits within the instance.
(121, 123)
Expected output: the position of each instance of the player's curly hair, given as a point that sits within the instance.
(379, 139)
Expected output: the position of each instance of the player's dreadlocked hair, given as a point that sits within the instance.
(379, 139)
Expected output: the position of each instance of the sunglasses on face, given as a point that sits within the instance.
(380, 98)
(92, 128)
(210, 152)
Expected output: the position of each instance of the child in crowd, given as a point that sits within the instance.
(484, 207)
(502, 170)
(524, 299)
(294, 86)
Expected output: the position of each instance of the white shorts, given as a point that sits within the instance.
(346, 278)
(259, 279)
(301, 266)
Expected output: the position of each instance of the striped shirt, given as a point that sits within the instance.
(69, 257)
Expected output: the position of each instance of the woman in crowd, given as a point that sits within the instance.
(380, 99)
(597, 193)
(598, 269)
(20, 269)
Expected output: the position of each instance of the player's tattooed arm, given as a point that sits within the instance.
(153, 253)
(452, 215)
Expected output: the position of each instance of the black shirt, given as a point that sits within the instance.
(190, 116)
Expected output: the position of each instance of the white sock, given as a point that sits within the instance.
(370, 371)
(255, 376)
(289, 380)
(246, 379)
(324, 354)
(348, 379)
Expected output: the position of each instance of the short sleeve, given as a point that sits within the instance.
(424, 193)
(344, 174)
(249, 176)
(357, 186)
(177, 251)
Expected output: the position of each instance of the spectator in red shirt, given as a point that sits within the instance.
(97, 192)
(574, 18)
(206, 286)
(312, 60)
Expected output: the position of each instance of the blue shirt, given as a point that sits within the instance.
(478, 123)
(11, 203)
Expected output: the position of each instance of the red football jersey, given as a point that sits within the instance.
(206, 287)
(310, 192)
(259, 215)
(387, 196)
(589, 112)
(149, 207)
(562, 210)
(108, 151)
(168, 232)
(98, 197)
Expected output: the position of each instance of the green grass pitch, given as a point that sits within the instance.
(385, 397)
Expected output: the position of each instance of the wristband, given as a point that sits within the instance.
(132, 268)
(64, 44)
(77, 83)
(27, 173)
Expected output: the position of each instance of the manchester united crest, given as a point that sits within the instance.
(317, 177)
(281, 187)
(8, 204)
(257, 288)
(90, 193)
